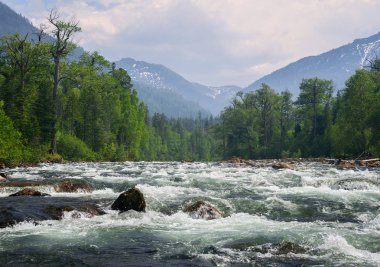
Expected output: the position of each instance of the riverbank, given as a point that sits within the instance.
(276, 163)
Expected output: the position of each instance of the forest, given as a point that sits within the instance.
(88, 110)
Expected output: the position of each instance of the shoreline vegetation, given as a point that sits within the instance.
(283, 163)
(86, 109)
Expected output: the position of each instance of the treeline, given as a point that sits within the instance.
(88, 110)
(82, 110)
(267, 124)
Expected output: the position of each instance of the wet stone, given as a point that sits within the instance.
(29, 192)
(203, 210)
(132, 199)
(73, 186)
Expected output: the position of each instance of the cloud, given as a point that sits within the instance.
(214, 42)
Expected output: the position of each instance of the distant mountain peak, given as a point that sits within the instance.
(337, 65)
(157, 77)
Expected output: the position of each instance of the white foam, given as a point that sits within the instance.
(339, 245)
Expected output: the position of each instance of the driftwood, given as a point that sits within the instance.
(370, 160)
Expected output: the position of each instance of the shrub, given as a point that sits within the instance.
(10, 140)
(72, 148)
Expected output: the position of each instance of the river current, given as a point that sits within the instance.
(332, 216)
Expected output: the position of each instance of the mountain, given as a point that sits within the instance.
(160, 88)
(336, 65)
(11, 23)
(156, 79)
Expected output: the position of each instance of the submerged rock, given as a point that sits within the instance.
(73, 186)
(56, 212)
(6, 217)
(29, 192)
(203, 210)
(356, 184)
(280, 248)
(132, 199)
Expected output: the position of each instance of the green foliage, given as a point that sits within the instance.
(352, 132)
(264, 124)
(10, 140)
(98, 115)
(314, 110)
(72, 148)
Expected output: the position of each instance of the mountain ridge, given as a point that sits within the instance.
(337, 64)
(159, 77)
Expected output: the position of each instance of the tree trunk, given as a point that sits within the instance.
(55, 108)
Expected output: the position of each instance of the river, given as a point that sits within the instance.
(331, 217)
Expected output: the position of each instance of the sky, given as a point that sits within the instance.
(213, 42)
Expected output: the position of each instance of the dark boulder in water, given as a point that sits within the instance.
(73, 186)
(6, 217)
(132, 199)
(34, 209)
(203, 210)
(29, 192)
(90, 210)
(3, 177)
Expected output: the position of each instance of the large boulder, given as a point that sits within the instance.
(203, 210)
(34, 209)
(29, 192)
(132, 199)
(73, 186)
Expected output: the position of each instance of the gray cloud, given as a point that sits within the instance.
(214, 42)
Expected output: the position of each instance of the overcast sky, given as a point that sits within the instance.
(214, 42)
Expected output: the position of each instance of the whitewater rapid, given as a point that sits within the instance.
(334, 215)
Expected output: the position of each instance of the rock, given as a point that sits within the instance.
(281, 165)
(29, 192)
(73, 186)
(235, 160)
(289, 247)
(56, 212)
(374, 164)
(203, 210)
(132, 199)
(6, 217)
(36, 210)
(345, 164)
(3, 177)
(280, 248)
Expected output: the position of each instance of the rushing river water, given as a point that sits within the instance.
(332, 216)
